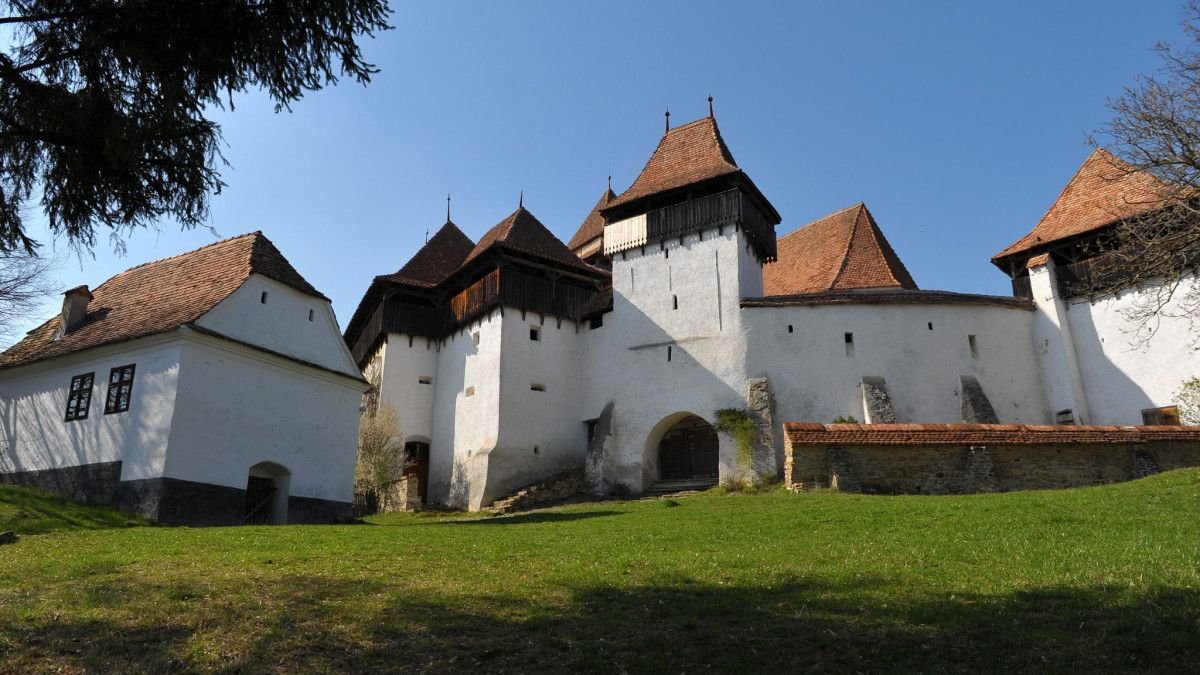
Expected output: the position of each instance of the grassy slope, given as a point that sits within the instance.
(28, 511)
(1102, 578)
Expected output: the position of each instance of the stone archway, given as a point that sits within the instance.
(267, 494)
(687, 451)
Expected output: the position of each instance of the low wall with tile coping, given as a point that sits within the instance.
(968, 458)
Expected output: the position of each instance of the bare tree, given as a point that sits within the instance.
(24, 283)
(1155, 131)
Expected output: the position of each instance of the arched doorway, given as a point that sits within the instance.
(416, 465)
(267, 494)
(689, 452)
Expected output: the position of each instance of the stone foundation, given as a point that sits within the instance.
(166, 500)
(970, 458)
(552, 490)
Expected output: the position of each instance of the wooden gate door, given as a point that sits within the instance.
(260, 493)
(416, 465)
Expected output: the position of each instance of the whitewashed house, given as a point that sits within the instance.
(208, 388)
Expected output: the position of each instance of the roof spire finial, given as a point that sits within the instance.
(710, 112)
(521, 200)
(610, 182)
(447, 207)
(668, 120)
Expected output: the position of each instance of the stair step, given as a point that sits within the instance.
(670, 486)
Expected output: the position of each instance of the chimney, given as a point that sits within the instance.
(74, 311)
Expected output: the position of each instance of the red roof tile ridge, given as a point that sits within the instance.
(227, 240)
(849, 245)
(817, 220)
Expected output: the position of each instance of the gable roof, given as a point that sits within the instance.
(522, 232)
(437, 259)
(1103, 191)
(593, 226)
(161, 296)
(842, 251)
(687, 154)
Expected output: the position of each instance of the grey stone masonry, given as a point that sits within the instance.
(760, 405)
(593, 466)
(976, 408)
(876, 402)
(980, 473)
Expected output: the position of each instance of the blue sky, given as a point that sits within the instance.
(956, 122)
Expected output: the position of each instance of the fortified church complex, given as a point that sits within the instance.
(228, 394)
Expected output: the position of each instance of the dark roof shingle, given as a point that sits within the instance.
(522, 232)
(160, 296)
(437, 259)
(593, 226)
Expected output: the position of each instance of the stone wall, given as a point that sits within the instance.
(968, 458)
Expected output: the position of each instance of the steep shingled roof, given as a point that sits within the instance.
(161, 296)
(842, 251)
(593, 226)
(1103, 191)
(437, 259)
(687, 154)
(522, 232)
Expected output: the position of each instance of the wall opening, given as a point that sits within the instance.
(535, 333)
(689, 451)
(1064, 417)
(790, 328)
(416, 466)
(974, 347)
(310, 317)
(537, 387)
(475, 339)
(266, 494)
(849, 339)
(668, 354)
(425, 379)
(263, 298)
(674, 302)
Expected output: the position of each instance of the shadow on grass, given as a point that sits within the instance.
(303, 623)
(536, 517)
(32, 511)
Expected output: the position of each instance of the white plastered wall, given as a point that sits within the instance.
(282, 323)
(814, 380)
(36, 436)
(237, 407)
(1123, 375)
(626, 360)
(405, 361)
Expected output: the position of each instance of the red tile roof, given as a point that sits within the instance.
(437, 259)
(161, 296)
(523, 233)
(842, 251)
(687, 154)
(810, 433)
(1103, 191)
(593, 226)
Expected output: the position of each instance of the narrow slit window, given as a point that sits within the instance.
(930, 324)
(535, 333)
(120, 389)
(79, 397)
(310, 315)
(537, 387)
(790, 329)
(674, 302)
(849, 338)
(263, 298)
(425, 379)
(974, 346)
(668, 354)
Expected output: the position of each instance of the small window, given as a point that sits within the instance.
(263, 298)
(120, 388)
(535, 449)
(470, 391)
(80, 396)
(668, 354)
(475, 339)
(666, 253)
(930, 324)
(1064, 417)
(849, 338)
(790, 329)
(596, 322)
(1167, 416)
(537, 387)
(974, 347)
(535, 333)
(425, 379)
(674, 302)
(310, 315)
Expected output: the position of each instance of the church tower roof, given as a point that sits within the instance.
(593, 226)
(842, 251)
(444, 253)
(688, 154)
(523, 233)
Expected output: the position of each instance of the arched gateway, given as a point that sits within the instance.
(267, 494)
(688, 452)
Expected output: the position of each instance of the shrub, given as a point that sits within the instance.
(736, 423)
(1188, 399)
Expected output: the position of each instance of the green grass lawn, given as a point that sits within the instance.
(1093, 579)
